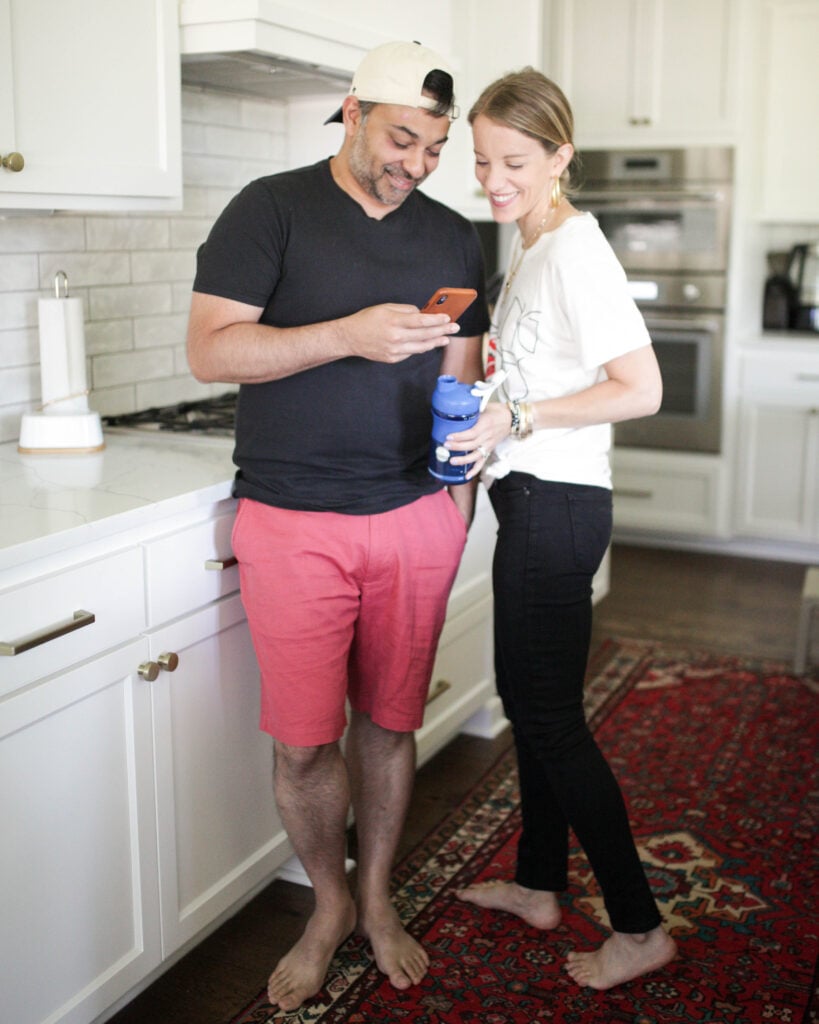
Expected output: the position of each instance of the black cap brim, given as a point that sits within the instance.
(338, 117)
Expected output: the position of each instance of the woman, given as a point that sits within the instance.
(578, 358)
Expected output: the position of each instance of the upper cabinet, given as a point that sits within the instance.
(646, 72)
(790, 150)
(90, 104)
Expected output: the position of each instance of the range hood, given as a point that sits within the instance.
(267, 76)
(267, 49)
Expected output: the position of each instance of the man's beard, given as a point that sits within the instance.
(377, 186)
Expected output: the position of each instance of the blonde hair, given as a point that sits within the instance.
(533, 104)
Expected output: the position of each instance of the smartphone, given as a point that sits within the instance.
(452, 301)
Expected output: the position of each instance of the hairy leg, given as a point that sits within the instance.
(382, 770)
(312, 792)
(622, 957)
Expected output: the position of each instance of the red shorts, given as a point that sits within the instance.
(345, 607)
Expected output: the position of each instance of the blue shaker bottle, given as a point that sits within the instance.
(454, 408)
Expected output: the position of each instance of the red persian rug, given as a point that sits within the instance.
(717, 758)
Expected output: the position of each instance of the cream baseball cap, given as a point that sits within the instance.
(395, 73)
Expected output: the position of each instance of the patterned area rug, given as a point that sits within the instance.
(717, 758)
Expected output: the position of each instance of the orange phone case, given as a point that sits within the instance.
(452, 301)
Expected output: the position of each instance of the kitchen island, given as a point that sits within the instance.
(135, 785)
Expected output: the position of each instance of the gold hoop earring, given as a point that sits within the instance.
(555, 195)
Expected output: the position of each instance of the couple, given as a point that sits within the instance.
(307, 294)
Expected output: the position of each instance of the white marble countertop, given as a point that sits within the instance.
(52, 503)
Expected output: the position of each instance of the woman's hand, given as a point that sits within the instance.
(494, 424)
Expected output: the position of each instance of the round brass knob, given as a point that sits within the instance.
(168, 661)
(148, 670)
(13, 161)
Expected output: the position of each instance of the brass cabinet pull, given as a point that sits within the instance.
(438, 690)
(220, 564)
(149, 670)
(25, 643)
(168, 661)
(631, 492)
(13, 161)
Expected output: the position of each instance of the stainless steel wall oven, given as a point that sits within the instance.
(666, 214)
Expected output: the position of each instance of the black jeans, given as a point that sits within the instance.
(551, 540)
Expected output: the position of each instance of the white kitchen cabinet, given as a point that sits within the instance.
(79, 925)
(666, 492)
(646, 72)
(463, 676)
(789, 154)
(777, 482)
(90, 97)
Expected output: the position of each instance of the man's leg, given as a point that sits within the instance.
(382, 770)
(313, 796)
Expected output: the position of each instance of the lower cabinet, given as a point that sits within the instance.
(218, 831)
(136, 790)
(777, 481)
(79, 914)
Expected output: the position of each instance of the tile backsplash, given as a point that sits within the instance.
(133, 271)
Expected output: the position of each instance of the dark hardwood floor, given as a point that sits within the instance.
(733, 605)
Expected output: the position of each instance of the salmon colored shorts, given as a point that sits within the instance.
(345, 607)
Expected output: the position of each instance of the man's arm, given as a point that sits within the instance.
(227, 343)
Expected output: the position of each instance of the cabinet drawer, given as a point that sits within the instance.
(680, 499)
(55, 621)
(794, 381)
(190, 568)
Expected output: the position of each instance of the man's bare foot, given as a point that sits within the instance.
(621, 958)
(537, 907)
(397, 954)
(301, 972)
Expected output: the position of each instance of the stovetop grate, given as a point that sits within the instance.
(216, 416)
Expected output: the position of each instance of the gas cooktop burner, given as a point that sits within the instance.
(213, 416)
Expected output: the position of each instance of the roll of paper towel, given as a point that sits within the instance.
(62, 356)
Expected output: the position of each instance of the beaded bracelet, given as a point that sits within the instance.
(523, 419)
(514, 409)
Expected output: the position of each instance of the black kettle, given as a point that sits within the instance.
(803, 273)
(780, 297)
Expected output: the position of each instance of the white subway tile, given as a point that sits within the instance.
(127, 367)
(129, 300)
(128, 232)
(18, 272)
(84, 269)
(20, 384)
(18, 309)
(102, 336)
(182, 297)
(42, 234)
(190, 233)
(19, 348)
(169, 391)
(156, 331)
(173, 265)
(236, 143)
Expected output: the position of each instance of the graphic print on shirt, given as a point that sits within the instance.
(522, 343)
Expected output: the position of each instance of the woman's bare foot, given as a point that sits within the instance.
(621, 958)
(537, 907)
(397, 954)
(301, 972)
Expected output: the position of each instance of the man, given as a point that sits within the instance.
(307, 294)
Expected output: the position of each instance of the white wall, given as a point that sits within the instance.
(134, 273)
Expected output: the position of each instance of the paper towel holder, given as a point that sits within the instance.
(63, 424)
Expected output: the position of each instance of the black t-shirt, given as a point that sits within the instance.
(353, 435)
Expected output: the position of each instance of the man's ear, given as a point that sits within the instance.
(351, 112)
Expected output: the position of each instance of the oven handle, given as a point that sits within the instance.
(643, 199)
(689, 323)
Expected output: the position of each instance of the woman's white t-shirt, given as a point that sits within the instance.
(567, 313)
